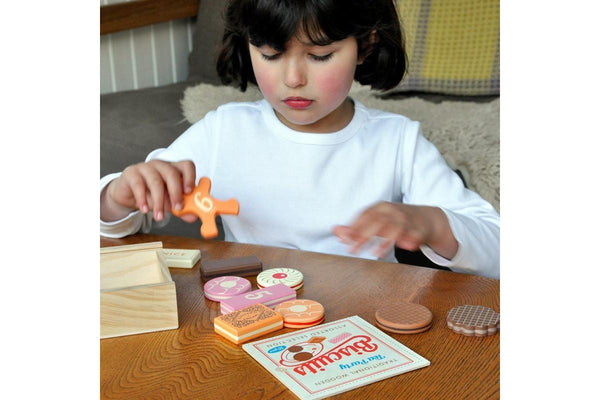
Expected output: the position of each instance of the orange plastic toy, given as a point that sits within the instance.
(200, 203)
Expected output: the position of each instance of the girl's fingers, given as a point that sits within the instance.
(190, 218)
(178, 178)
(173, 181)
(363, 231)
(408, 243)
(188, 175)
(383, 249)
(186, 217)
(137, 186)
(156, 187)
(343, 233)
(360, 232)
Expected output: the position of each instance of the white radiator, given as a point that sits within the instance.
(144, 57)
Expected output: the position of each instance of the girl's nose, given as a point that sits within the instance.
(295, 74)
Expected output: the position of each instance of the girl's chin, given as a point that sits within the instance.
(303, 122)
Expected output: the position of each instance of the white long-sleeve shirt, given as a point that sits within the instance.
(294, 187)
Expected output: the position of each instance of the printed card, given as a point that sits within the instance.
(333, 358)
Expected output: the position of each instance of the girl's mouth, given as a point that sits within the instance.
(297, 102)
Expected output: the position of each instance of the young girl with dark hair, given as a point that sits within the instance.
(312, 168)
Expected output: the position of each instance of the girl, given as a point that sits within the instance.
(312, 168)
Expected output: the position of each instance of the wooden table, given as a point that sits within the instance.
(193, 362)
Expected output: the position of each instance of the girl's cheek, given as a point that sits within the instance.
(266, 85)
(337, 83)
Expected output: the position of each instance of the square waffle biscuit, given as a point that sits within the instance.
(248, 323)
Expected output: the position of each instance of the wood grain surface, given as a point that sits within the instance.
(134, 14)
(192, 362)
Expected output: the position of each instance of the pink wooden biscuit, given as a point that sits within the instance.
(270, 296)
(288, 276)
(301, 313)
(224, 287)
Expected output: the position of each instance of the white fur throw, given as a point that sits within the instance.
(466, 133)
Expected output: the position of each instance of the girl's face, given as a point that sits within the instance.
(307, 85)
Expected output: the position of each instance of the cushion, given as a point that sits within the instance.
(132, 124)
(467, 133)
(135, 122)
(207, 38)
(453, 46)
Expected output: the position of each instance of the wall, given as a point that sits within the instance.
(149, 56)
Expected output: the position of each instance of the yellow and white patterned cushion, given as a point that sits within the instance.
(453, 46)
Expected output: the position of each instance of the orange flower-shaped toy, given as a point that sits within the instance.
(200, 203)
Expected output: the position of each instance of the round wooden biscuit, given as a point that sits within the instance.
(404, 318)
(301, 313)
(471, 320)
(225, 287)
(288, 276)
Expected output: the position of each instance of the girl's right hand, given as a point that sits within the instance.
(155, 185)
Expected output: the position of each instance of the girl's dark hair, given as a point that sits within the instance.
(275, 22)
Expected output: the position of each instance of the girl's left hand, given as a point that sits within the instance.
(403, 225)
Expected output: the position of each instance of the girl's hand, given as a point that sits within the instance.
(403, 225)
(155, 185)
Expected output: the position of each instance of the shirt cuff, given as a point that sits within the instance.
(128, 225)
(443, 261)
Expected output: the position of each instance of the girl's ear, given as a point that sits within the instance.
(368, 46)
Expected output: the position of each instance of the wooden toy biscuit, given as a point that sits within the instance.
(200, 203)
(224, 287)
(404, 318)
(181, 258)
(288, 276)
(270, 297)
(301, 313)
(470, 320)
(240, 266)
(248, 323)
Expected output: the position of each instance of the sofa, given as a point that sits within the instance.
(460, 116)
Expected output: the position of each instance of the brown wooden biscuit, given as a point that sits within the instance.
(404, 318)
(470, 320)
(240, 266)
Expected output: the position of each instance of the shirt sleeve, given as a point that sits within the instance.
(428, 180)
(193, 144)
(133, 223)
(199, 144)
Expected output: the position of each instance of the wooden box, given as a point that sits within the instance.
(137, 294)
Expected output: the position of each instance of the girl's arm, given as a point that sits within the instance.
(406, 226)
(453, 226)
(146, 192)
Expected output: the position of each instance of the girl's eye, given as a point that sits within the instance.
(270, 57)
(321, 58)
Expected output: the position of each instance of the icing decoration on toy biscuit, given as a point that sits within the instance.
(270, 297)
(288, 276)
(470, 320)
(200, 203)
(225, 287)
(301, 313)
